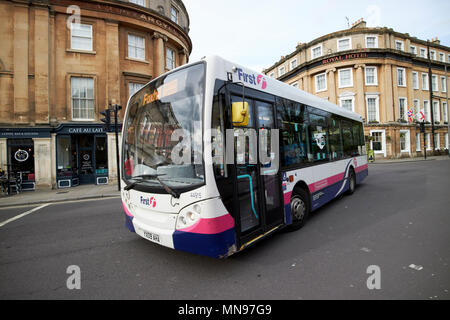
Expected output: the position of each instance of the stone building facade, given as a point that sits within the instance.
(62, 63)
(383, 75)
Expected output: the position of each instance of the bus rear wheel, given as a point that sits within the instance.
(300, 209)
(352, 182)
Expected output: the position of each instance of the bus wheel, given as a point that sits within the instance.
(352, 182)
(299, 209)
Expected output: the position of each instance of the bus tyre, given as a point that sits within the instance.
(300, 209)
(352, 182)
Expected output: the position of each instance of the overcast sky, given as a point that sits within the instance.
(256, 33)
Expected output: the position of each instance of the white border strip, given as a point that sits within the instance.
(23, 214)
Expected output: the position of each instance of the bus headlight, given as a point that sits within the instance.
(189, 216)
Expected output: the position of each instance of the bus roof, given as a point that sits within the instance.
(220, 67)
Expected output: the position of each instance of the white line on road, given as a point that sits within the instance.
(23, 214)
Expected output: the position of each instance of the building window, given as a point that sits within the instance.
(404, 141)
(428, 140)
(417, 141)
(170, 59)
(294, 64)
(415, 80)
(81, 37)
(445, 112)
(281, 71)
(416, 107)
(134, 87)
(446, 141)
(82, 98)
(432, 55)
(347, 103)
(174, 14)
(441, 57)
(272, 75)
(434, 83)
(371, 42)
(401, 77)
(316, 52)
(402, 108)
(436, 112)
(413, 50)
(321, 82)
(423, 53)
(371, 76)
(345, 78)
(295, 84)
(443, 84)
(426, 110)
(139, 2)
(425, 84)
(378, 142)
(399, 45)
(344, 44)
(136, 47)
(437, 142)
(372, 109)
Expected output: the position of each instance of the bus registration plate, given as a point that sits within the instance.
(151, 236)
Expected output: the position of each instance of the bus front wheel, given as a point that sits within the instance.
(300, 209)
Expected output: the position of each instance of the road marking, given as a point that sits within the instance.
(23, 214)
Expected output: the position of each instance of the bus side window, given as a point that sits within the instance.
(293, 133)
(318, 136)
(350, 138)
(336, 149)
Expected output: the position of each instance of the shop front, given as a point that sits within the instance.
(81, 155)
(17, 154)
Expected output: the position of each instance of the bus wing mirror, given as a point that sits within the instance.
(240, 114)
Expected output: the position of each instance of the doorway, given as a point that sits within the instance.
(258, 206)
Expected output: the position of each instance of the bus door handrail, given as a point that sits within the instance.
(247, 176)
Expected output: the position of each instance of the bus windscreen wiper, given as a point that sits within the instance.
(173, 193)
(141, 177)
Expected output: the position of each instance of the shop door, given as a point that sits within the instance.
(86, 159)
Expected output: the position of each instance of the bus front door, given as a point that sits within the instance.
(257, 197)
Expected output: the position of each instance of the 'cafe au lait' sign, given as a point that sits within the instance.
(85, 130)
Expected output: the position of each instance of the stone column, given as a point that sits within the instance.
(41, 64)
(21, 30)
(387, 108)
(3, 154)
(183, 55)
(43, 162)
(159, 54)
(331, 85)
(360, 96)
(53, 157)
(112, 160)
(112, 65)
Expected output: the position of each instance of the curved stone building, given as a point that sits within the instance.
(382, 75)
(62, 63)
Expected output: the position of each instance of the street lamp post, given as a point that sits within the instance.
(448, 110)
(430, 84)
(116, 108)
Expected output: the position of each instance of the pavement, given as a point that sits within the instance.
(416, 159)
(83, 192)
(105, 191)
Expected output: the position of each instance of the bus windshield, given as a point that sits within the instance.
(163, 132)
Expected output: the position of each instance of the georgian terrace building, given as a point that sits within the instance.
(380, 74)
(56, 78)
